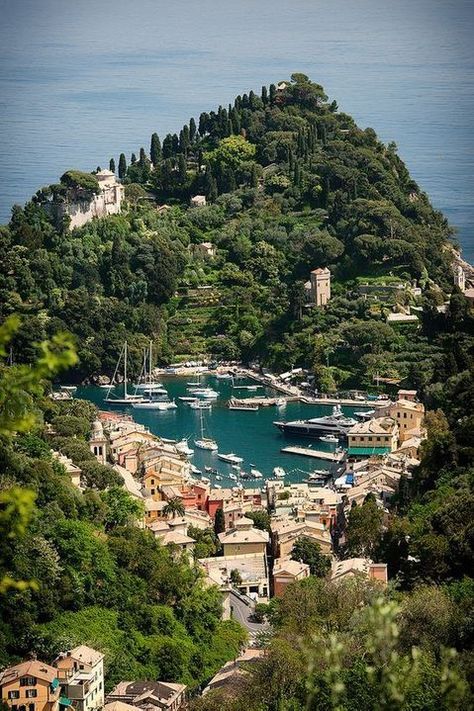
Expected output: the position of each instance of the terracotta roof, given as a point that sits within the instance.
(40, 670)
(85, 654)
(292, 567)
(378, 425)
(244, 534)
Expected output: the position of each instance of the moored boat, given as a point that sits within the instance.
(230, 458)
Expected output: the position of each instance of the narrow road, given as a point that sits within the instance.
(242, 613)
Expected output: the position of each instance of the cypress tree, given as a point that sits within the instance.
(297, 175)
(155, 149)
(167, 146)
(264, 95)
(203, 123)
(133, 159)
(184, 139)
(219, 521)
(273, 92)
(142, 159)
(98, 169)
(112, 165)
(122, 167)
(182, 167)
(192, 130)
(213, 190)
(254, 176)
(175, 143)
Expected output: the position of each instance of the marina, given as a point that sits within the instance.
(249, 433)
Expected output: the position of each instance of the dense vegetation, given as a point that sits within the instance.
(291, 184)
(75, 569)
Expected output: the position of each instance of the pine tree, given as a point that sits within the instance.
(155, 149)
(112, 165)
(122, 168)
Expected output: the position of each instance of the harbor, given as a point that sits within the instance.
(249, 433)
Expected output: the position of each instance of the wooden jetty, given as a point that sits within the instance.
(314, 453)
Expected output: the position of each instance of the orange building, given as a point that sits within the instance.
(286, 571)
(30, 686)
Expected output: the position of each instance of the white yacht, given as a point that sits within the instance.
(206, 393)
(230, 458)
(336, 423)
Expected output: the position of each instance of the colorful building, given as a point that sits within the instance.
(31, 686)
(244, 538)
(286, 571)
(374, 437)
(81, 675)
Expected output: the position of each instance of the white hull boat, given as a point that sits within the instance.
(230, 458)
(184, 448)
(279, 472)
(208, 444)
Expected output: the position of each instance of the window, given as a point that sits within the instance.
(378, 439)
(31, 693)
(28, 681)
(14, 694)
(31, 707)
(370, 439)
(404, 415)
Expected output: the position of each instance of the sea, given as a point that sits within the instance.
(81, 82)
(250, 435)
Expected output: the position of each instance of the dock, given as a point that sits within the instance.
(314, 453)
(347, 402)
(263, 401)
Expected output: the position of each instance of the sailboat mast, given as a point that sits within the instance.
(151, 361)
(125, 370)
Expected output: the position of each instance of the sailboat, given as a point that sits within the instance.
(149, 386)
(205, 442)
(127, 399)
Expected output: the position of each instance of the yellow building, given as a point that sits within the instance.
(244, 539)
(374, 437)
(408, 415)
(320, 286)
(30, 686)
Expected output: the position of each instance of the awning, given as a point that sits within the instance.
(367, 451)
(64, 701)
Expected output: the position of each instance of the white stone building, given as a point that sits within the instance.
(108, 201)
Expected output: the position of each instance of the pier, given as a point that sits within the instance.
(263, 401)
(314, 453)
(343, 401)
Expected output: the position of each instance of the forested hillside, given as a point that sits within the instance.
(291, 184)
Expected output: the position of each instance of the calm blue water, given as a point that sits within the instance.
(82, 81)
(250, 435)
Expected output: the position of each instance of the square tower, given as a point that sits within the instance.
(320, 286)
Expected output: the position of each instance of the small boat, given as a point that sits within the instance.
(236, 467)
(230, 458)
(183, 447)
(317, 473)
(193, 384)
(172, 405)
(224, 376)
(332, 439)
(218, 478)
(239, 405)
(149, 405)
(106, 387)
(256, 474)
(217, 486)
(150, 387)
(367, 415)
(69, 388)
(205, 480)
(206, 393)
(186, 398)
(245, 475)
(195, 470)
(279, 472)
(233, 477)
(280, 402)
(197, 405)
(208, 444)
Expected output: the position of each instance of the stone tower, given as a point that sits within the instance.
(98, 442)
(320, 286)
(460, 278)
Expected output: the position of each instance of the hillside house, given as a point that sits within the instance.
(30, 686)
(81, 675)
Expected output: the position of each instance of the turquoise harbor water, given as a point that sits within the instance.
(82, 81)
(250, 435)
